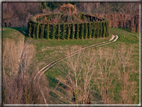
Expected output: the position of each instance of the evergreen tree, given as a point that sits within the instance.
(34, 30)
(77, 35)
(82, 30)
(86, 31)
(30, 29)
(101, 29)
(90, 30)
(63, 32)
(68, 31)
(47, 37)
(37, 31)
(53, 30)
(42, 31)
(73, 31)
(104, 29)
(58, 34)
(94, 29)
(97, 29)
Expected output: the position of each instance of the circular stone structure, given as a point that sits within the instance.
(67, 26)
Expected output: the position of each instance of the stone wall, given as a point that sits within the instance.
(122, 21)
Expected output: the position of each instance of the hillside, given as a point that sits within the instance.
(33, 54)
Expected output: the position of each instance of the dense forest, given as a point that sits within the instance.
(17, 14)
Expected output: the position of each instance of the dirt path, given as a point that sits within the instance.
(47, 67)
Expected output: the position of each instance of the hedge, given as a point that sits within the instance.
(34, 30)
(90, 30)
(48, 31)
(94, 30)
(97, 29)
(86, 30)
(37, 31)
(53, 31)
(58, 33)
(68, 30)
(77, 31)
(103, 29)
(29, 29)
(63, 31)
(73, 31)
(42, 31)
(82, 31)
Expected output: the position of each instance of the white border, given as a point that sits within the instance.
(77, 104)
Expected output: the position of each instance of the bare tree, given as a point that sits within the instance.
(106, 74)
(16, 61)
(78, 76)
(104, 68)
(129, 88)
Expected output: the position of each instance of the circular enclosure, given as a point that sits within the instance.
(67, 26)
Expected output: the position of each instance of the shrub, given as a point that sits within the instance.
(97, 29)
(107, 25)
(77, 32)
(94, 30)
(42, 31)
(63, 31)
(73, 32)
(86, 30)
(68, 31)
(90, 30)
(47, 31)
(103, 29)
(30, 29)
(34, 30)
(82, 30)
(37, 31)
(58, 33)
(83, 17)
(53, 30)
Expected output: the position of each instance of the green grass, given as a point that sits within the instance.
(13, 33)
(50, 50)
(124, 35)
(129, 39)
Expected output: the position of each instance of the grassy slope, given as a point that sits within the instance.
(49, 50)
(12, 33)
(130, 39)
